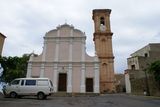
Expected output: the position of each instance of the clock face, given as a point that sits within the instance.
(102, 28)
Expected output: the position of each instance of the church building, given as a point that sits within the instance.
(64, 59)
(2, 39)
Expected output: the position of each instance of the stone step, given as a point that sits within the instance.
(64, 94)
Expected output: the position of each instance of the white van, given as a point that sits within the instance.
(40, 87)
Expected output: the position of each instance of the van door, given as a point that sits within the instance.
(22, 88)
(30, 87)
(15, 85)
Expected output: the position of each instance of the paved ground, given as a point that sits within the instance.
(109, 100)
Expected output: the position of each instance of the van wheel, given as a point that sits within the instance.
(13, 95)
(40, 96)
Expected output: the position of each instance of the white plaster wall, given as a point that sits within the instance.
(50, 51)
(127, 83)
(64, 51)
(90, 71)
(77, 51)
(76, 77)
(49, 72)
(35, 71)
(65, 31)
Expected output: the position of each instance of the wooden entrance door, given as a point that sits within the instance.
(62, 83)
(89, 84)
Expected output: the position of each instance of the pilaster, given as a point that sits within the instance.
(57, 47)
(44, 51)
(42, 70)
(71, 46)
(96, 75)
(69, 79)
(29, 70)
(83, 50)
(55, 78)
(82, 90)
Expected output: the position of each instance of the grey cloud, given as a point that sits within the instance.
(134, 24)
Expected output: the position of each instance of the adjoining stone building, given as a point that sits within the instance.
(64, 59)
(138, 81)
(2, 38)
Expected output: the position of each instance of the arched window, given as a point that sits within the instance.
(102, 22)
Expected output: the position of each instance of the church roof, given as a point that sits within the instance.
(2, 35)
(59, 27)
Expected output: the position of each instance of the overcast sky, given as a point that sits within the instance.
(135, 23)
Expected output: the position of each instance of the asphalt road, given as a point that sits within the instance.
(108, 100)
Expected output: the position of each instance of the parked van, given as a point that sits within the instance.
(40, 87)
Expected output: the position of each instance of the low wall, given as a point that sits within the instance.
(139, 86)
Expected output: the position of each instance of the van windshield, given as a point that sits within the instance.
(15, 82)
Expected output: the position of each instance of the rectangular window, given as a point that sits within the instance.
(133, 67)
(42, 82)
(30, 82)
(146, 55)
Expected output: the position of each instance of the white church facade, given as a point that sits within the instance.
(64, 60)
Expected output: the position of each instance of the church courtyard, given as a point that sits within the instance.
(108, 100)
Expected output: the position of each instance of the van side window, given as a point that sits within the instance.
(30, 82)
(15, 82)
(42, 82)
(22, 82)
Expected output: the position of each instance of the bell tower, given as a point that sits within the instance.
(103, 47)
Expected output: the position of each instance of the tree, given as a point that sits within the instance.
(154, 68)
(14, 67)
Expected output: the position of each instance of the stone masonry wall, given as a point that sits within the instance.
(138, 86)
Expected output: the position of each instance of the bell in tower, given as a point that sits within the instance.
(103, 46)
